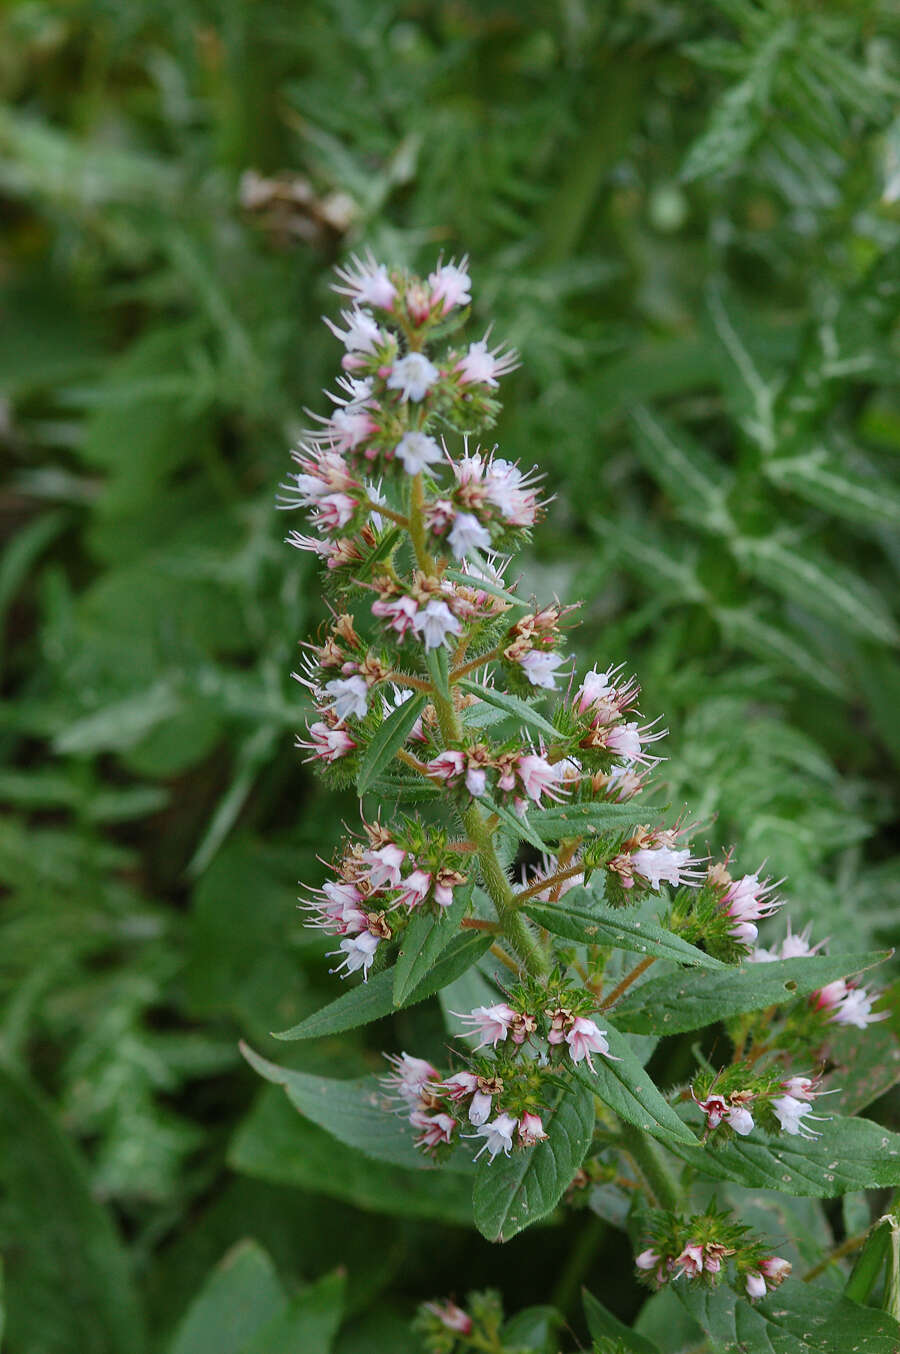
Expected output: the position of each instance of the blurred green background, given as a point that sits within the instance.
(686, 216)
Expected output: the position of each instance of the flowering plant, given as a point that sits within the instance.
(515, 860)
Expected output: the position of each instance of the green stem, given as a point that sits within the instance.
(515, 928)
(649, 1160)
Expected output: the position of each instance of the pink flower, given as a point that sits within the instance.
(414, 889)
(384, 865)
(747, 900)
(334, 511)
(756, 1285)
(467, 534)
(409, 1078)
(436, 1128)
(802, 1088)
(531, 1130)
(599, 695)
(451, 1316)
(327, 744)
(417, 450)
(497, 1136)
(492, 1023)
(447, 765)
(540, 668)
(476, 781)
(627, 740)
(647, 1259)
(482, 366)
(458, 1086)
(775, 1268)
(690, 1261)
(584, 1038)
(362, 334)
(715, 1107)
(400, 612)
(367, 281)
(349, 427)
(539, 777)
(830, 996)
(450, 283)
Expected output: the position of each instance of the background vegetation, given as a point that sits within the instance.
(686, 217)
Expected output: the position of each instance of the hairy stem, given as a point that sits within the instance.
(650, 1163)
(626, 982)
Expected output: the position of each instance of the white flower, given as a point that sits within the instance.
(789, 1112)
(584, 1038)
(384, 865)
(476, 781)
(434, 622)
(362, 334)
(498, 1136)
(740, 1119)
(479, 1108)
(416, 450)
(756, 1286)
(412, 375)
(350, 696)
(358, 952)
(664, 863)
(540, 668)
(467, 534)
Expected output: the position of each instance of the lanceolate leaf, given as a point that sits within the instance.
(695, 481)
(802, 1321)
(513, 1192)
(825, 482)
(851, 1154)
(374, 999)
(518, 825)
(425, 938)
(582, 820)
(511, 705)
(671, 1006)
(622, 1083)
(604, 926)
(391, 735)
(357, 1112)
(603, 1325)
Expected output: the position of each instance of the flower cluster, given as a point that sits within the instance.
(699, 1248)
(532, 1039)
(741, 1099)
(380, 882)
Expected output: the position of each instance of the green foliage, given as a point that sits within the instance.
(682, 216)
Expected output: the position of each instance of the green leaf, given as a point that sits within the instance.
(691, 1000)
(562, 821)
(694, 480)
(485, 585)
(818, 584)
(277, 1144)
(511, 705)
(424, 939)
(241, 1296)
(592, 925)
(822, 480)
(374, 999)
(881, 1246)
(513, 1192)
(68, 1281)
(603, 1325)
(769, 638)
(309, 1322)
(623, 1084)
(745, 380)
(518, 824)
(390, 736)
(357, 1112)
(439, 670)
(851, 1154)
(801, 1322)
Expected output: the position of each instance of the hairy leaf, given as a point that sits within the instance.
(513, 1192)
(391, 735)
(592, 925)
(624, 1085)
(424, 939)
